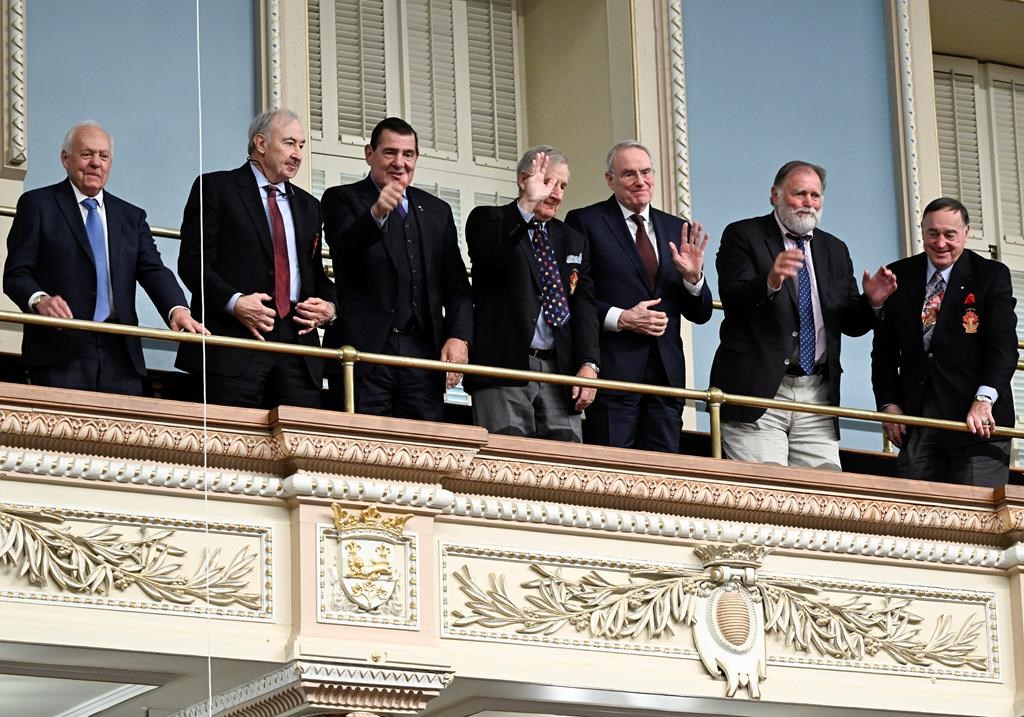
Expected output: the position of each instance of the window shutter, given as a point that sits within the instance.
(316, 93)
(959, 162)
(362, 80)
(431, 43)
(1008, 120)
(492, 79)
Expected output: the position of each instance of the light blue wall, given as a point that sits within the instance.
(767, 82)
(131, 65)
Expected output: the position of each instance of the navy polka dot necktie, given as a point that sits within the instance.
(806, 309)
(554, 305)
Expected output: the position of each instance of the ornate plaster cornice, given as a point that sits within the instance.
(308, 688)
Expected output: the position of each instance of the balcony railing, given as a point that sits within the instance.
(349, 356)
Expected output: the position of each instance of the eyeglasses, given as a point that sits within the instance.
(631, 175)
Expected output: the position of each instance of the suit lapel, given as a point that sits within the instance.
(253, 203)
(617, 225)
(915, 282)
(115, 237)
(303, 236)
(773, 240)
(662, 237)
(65, 197)
(525, 243)
(423, 221)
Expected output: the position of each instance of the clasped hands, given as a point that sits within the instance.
(253, 313)
(688, 258)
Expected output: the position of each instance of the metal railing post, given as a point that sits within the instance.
(715, 400)
(349, 356)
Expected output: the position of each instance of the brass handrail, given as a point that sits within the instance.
(349, 356)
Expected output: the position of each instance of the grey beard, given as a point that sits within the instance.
(798, 221)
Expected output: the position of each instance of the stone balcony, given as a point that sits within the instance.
(342, 564)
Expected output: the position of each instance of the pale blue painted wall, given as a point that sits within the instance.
(767, 82)
(131, 65)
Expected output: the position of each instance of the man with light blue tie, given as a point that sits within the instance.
(76, 252)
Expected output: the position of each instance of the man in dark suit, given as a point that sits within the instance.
(648, 273)
(789, 294)
(76, 251)
(402, 283)
(947, 348)
(250, 240)
(533, 306)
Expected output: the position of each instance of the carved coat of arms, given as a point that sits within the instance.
(370, 555)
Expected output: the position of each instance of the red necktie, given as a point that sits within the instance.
(282, 271)
(646, 251)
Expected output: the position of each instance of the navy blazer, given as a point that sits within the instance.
(365, 259)
(974, 342)
(760, 330)
(232, 251)
(507, 294)
(48, 250)
(620, 281)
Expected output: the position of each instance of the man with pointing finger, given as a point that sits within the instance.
(402, 284)
(789, 295)
(648, 274)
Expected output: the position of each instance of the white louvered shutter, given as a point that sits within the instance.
(492, 79)
(316, 87)
(431, 43)
(1007, 102)
(956, 111)
(362, 77)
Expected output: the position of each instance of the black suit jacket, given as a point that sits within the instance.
(507, 294)
(366, 268)
(619, 280)
(760, 330)
(974, 342)
(238, 257)
(48, 250)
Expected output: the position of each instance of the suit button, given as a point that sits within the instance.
(796, 334)
(786, 361)
(931, 355)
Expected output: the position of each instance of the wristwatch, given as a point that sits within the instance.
(594, 366)
(983, 398)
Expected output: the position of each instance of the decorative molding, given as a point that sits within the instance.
(367, 571)
(309, 688)
(730, 502)
(730, 608)
(17, 143)
(903, 51)
(274, 47)
(87, 566)
(680, 135)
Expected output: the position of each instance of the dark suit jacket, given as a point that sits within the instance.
(238, 257)
(507, 294)
(48, 250)
(619, 280)
(366, 268)
(962, 355)
(759, 332)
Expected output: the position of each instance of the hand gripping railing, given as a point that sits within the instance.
(349, 356)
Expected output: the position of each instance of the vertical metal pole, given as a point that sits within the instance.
(715, 400)
(349, 356)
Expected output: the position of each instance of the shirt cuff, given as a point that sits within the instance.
(694, 289)
(611, 319)
(175, 308)
(230, 307)
(32, 299)
(988, 391)
(382, 220)
(770, 289)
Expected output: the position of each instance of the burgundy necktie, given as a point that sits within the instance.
(282, 271)
(646, 251)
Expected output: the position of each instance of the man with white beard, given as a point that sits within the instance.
(789, 294)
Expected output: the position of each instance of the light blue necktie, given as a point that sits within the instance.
(94, 229)
(806, 310)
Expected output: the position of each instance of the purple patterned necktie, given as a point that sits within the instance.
(554, 305)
